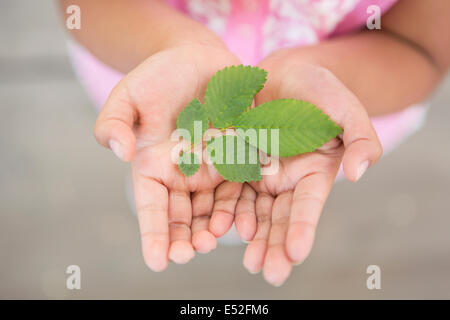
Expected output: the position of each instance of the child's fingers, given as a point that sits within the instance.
(308, 200)
(277, 265)
(114, 126)
(180, 217)
(225, 199)
(202, 204)
(256, 249)
(152, 206)
(245, 216)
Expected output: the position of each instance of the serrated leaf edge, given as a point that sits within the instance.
(253, 94)
(325, 116)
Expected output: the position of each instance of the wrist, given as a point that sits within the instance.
(284, 58)
(197, 35)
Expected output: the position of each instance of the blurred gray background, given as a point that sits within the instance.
(63, 202)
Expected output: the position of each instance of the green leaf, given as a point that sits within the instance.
(302, 127)
(234, 159)
(230, 92)
(188, 163)
(193, 114)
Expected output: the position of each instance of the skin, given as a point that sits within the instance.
(169, 58)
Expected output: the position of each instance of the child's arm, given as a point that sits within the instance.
(124, 33)
(391, 68)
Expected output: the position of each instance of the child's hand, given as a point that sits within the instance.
(137, 122)
(280, 213)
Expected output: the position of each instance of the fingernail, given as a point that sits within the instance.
(116, 147)
(278, 284)
(298, 263)
(362, 168)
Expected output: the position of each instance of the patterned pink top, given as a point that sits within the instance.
(254, 28)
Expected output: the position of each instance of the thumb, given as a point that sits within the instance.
(114, 125)
(362, 146)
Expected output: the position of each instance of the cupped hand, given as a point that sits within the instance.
(137, 122)
(279, 214)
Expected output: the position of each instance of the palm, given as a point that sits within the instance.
(170, 204)
(173, 209)
(293, 169)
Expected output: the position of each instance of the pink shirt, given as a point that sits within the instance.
(254, 28)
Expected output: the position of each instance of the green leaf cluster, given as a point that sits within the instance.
(284, 127)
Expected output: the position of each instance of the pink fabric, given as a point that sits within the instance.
(243, 33)
(97, 78)
(254, 28)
